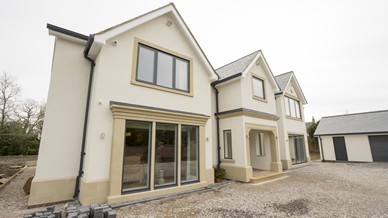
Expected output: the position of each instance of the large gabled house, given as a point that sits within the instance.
(128, 113)
(137, 111)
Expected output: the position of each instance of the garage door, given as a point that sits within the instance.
(379, 147)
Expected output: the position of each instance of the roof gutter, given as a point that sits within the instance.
(82, 155)
(225, 79)
(67, 32)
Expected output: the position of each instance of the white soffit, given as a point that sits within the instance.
(259, 57)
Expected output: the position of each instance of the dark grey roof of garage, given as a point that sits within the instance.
(237, 66)
(360, 123)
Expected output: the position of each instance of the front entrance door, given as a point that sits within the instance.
(340, 148)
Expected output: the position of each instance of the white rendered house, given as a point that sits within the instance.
(123, 119)
(137, 111)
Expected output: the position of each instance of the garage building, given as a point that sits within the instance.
(361, 137)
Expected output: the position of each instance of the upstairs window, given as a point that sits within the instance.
(258, 88)
(162, 69)
(292, 107)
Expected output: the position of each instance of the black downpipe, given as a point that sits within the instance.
(323, 156)
(218, 128)
(81, 163)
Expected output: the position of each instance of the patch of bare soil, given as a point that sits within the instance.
(296, 207)
(6, 162)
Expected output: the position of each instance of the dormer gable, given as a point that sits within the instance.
(289, 85)
(101, 38)
(240, 68)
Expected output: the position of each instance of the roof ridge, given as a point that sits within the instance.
(343, 115)
(134, 18)
(284, 73)
(257, 51)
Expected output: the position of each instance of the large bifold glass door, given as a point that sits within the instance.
(166, 154)
(137, 155)
(137, 152)
(297, 149)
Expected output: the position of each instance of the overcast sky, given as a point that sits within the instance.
(337, 49)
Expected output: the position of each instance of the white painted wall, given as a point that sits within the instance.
(238, 140)
(328, 147)
(60, 145)
(247, 92)
(230, 95)
(112, 83)
(357, 147)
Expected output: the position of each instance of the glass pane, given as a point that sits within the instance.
(145, 64)
(258, 145)
(164, 71)
(258, 88)
(297, 109)
(136, 162)
(228, 144)
(189, 154)
(292, 108)
(182, 75)
(287, 105)
(165, 154)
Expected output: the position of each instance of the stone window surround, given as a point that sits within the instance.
(121, 113)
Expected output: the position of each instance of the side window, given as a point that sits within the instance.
(259, 139)
(228, 144)
(292, 107)
(258, 88)
(162, 69)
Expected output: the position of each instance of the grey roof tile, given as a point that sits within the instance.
(282, 80)
(368, 122)
(237, 66)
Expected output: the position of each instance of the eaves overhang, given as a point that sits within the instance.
(66, 34)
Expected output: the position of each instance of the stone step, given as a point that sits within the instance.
(266, 177)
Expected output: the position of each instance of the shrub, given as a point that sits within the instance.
(219, 173)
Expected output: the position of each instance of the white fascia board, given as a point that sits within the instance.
(67, 37)
(266, 69)
(193, 42)
(103, 37)
(299, 89)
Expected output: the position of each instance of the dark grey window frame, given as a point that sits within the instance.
(155, 68)
(263, 87)
(199, 170)
(289, 106)
(176, 156)
(134, 190)
(231, 144)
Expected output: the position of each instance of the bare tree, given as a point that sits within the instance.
(9, 91)
(31, 115)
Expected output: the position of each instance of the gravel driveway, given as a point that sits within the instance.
(318, 190)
